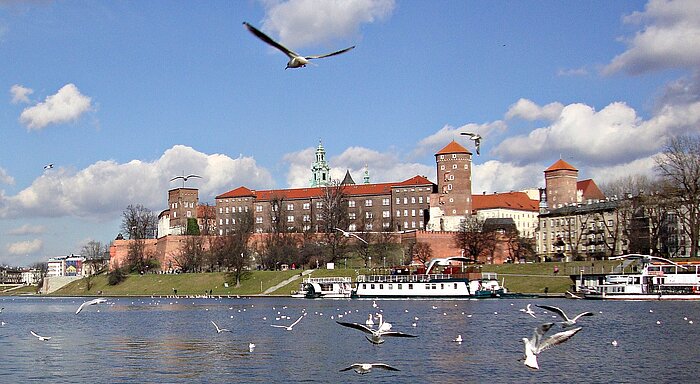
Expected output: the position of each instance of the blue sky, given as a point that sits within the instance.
(122, 96)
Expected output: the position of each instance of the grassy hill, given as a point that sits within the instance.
(521, 278)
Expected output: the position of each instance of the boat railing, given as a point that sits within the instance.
(335, 279)
(406, 278)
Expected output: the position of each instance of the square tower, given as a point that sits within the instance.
(182, 203)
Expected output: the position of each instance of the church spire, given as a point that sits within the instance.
(320, 168)
(366, 177)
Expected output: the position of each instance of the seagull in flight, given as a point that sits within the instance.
(363, 368)
(289, 328)
(295, 59)
(48, 166)
(377, 334)
(567, 321)
(184, 178)
(348, 234)
(476, 138)
(219, 330)
(42, 338)
(91, 302)
(537, 344)
(529, 311)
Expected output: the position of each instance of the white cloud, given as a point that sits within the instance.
(20, 94)
(27, 229)
(105, 188)
(496, 176)
(642, 166)
(669, 38)
(434, 142)
(25, 247)
(382, 167)
(301, 23)
(67, 105)
(5, 178)
(528, 110)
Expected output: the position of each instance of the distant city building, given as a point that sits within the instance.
(66, 266)
(517, 206)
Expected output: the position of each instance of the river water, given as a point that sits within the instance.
(145, 340)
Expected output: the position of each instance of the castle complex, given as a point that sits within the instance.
(427, 211)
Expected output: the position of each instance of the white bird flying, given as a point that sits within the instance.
(529, 311)
(48, 166)
(348, 234)
(219, 330)
(476, 138)
(363, 368)
(377, 334)
(91, 302)
(567, 321)
(295, 59)
(537, 344)
(289, 328)
(42, 338)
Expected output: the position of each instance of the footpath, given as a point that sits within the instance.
(282, 284)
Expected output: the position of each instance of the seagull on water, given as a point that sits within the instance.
(219, 330)
(377, 334)
(295, 59)
(529, 311)
(251, 347)
(567, 321)
(537, 344)
(476, 138)
(458, 339)
(363, 368)
(289, 328)
(91, 302)
(42, 338)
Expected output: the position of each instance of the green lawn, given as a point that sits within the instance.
(520, 278)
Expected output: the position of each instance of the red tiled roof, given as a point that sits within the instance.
(560, 165)
(238, 192)
(590, 190)
(314, 192)
(453, 147)
(509, 200)
(415, 180)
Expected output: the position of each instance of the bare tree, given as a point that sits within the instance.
(472, 239)
(233, 247)
(422, 252)
(679, 165)
(334, 214)
(139, 222)
(191, 255)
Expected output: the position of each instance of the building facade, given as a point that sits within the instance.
(453, 199)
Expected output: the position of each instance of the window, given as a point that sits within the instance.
(442, 167)
(385, 214)
(454, 166)
(306, 218)
(369, 215)
(319, 204)
(405, 200)
(398, 200)
(398, 213)
(290, 219)
(351, 215)
(420, 199)
(290, 207)
(405, 212)
(352, 227)
(226, 221)
(258, 208)
(258, 220)
(307, 206)
(369, 226)
(226, 209)
(351, 203)
(368, 203)
(385, 201)
(413, 213)
(410, 286)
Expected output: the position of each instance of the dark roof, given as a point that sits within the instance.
(347, 180)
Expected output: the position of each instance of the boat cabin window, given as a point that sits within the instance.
(399, 286)
(455, 285)
(371, 286)
(442, 286)
(434, 286)
(364, 286)
(381, 286)
(410, 286)
(427, 286)
(391, 286)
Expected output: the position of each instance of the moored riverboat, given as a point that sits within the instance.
(452, 282)
(653, 278)
(325, 287)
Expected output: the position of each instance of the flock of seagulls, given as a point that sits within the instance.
(377, 329)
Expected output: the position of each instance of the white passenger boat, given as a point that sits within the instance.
(656, 279)
(452, 283)
(325, 287)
